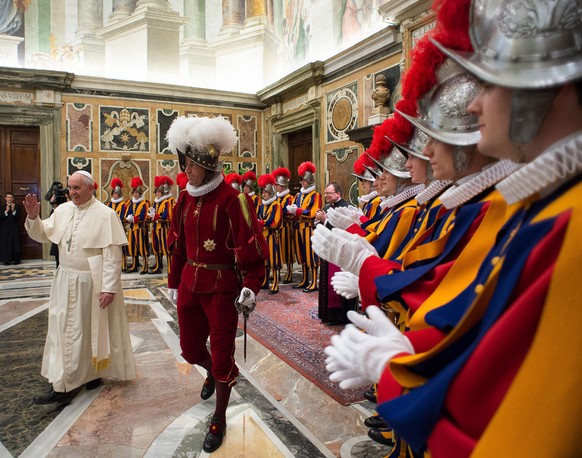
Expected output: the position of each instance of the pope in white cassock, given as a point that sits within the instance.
(88, 336)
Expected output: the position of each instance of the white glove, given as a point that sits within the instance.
(366, 198)
(345, 284)
(292, 209)
(364, 355)
(340, 220)
(151, 212)
(246, 301)
(348, 251)
(173, 295)
(129, 218)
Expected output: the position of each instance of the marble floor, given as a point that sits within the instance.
(274, 411)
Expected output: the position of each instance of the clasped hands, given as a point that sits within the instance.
(355, 358)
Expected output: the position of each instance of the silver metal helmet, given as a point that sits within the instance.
(445, 115)
(415, 146)
(394, 163)
(366, 176)
(524, 44)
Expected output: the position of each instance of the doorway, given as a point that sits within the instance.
(300, 146)
(20, 175)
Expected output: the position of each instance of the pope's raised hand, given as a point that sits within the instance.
(31, 206)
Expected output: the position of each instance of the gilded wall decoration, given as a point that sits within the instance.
(125, 171)
(164, 119)
(244, 167)
(341, 112)
(340, 165)
(124, 129)
(392, 81)
(75, 164)
(79, 124)
(247, 135)
(227, 167)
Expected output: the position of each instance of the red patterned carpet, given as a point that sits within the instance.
(287, 324)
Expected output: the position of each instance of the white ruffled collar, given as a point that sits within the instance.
(402, 196)
(432, 190)
(137, 201)
(271, 200)
(555, 166)
(283, 193)
(489, 176)
(307, 190)
(116, 201)
(251, 194)
(197, 191)
(157, 200)
(367, 197)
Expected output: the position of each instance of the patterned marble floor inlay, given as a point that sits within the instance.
(274, 411)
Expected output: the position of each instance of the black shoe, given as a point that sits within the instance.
(286, 282)
(300, 286)
(152, 272)
(208, 387)
(370, 395)
(376, 421)
(56, 397)
(275, 291)
(310, 290)
(382, 436)
(93, 384)
(214, 436)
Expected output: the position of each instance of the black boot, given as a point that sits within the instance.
(214, 436)
(208, 387)
(56, 397)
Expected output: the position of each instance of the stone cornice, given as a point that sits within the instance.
(293, 84)
(397, 11)
(96, 86)
(24, 78)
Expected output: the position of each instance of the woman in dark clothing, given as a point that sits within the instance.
(10, 250)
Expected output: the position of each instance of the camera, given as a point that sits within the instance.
(59, 192)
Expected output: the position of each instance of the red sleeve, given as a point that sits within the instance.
(175, 242)
(372, 268)
(249, 244)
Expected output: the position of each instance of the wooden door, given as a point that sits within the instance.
(300, 150)
(20, 175)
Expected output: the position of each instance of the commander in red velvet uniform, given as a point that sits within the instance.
(218, 259)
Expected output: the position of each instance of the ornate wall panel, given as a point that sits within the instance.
(79, 118)
(164, 119)
(341, 112)
(124, 129)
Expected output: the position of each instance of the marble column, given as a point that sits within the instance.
(256, 8)
(89, 16)
(197, 58)
(195, 12)
(91, 49)
(233, 15)
(121, 9)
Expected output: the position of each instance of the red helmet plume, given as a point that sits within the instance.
(116, 183)
(282, 176)
(249, 176)
(266, 179)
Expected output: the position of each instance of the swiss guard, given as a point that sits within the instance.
(270, 216)
(136, 216)
(249, 180)
(118, 205)
(160, 215)
(307, 202)
(282, 176)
